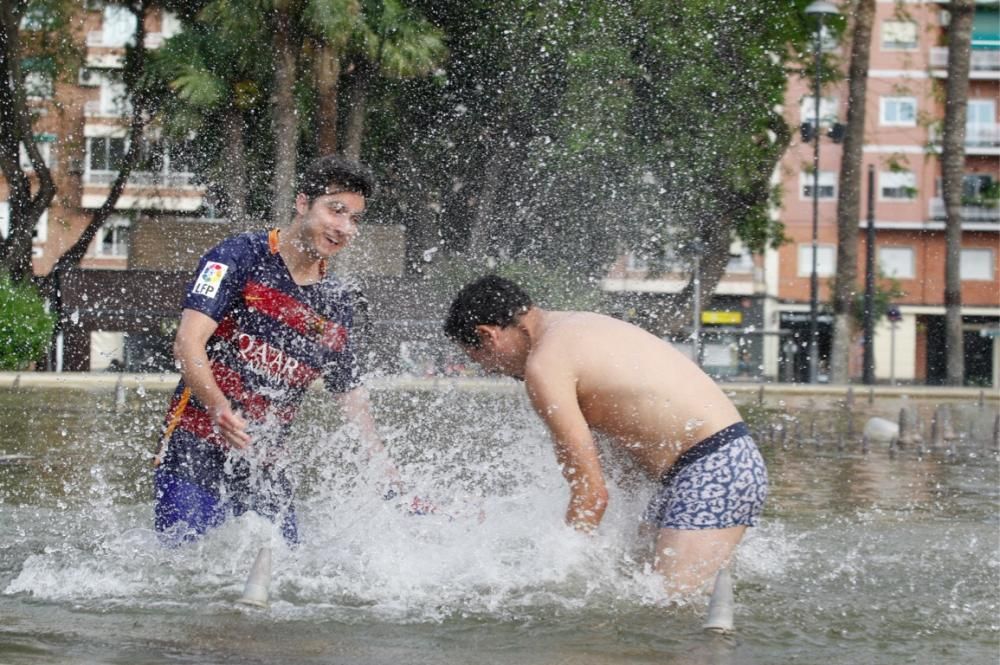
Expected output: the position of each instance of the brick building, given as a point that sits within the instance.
(903, 115)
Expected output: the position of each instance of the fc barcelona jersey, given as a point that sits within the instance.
(274, 338)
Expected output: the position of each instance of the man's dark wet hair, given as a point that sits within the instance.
(490, 300)
(333, 173)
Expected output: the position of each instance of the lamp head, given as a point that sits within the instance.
(821, 9)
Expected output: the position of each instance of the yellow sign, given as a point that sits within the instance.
(722, 318)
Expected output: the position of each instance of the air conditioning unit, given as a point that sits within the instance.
(945, 17)
(89, 78)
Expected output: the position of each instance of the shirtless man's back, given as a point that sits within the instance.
(585, 372)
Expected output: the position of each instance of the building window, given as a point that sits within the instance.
(826, 260)
(980, 123)
(827, 185)
(898, 111)
(38, 85)
(112, 239)
(41, 228)
(44, 147)
(118, 25)
(37, 18)
(897, 186)
(114, 99)
(166, 157)
(827, 110)
(899, 35)
(105, 153)
(897, 262)
(170, 25)
(976, 264)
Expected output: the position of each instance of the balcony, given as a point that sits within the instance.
(100, 39)
(982, 135)
(142, 179)
(981, 138)
(982, 64)
(987, 212)
(97, 109)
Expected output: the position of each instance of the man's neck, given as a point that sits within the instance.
(532, 323)
(304, 266)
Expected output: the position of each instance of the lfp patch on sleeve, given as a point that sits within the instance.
(210, 278)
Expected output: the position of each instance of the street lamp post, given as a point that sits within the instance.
(869, 353)
(696, 322)
(820, 9)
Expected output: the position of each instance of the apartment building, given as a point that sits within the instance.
(730, 332)
(121, 306)
(114, 307)
(903, 115)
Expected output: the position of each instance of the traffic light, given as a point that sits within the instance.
(807, 131)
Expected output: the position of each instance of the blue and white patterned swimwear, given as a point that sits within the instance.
(718, 483)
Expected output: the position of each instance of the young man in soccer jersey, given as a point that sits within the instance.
(585, 372)
(261, 321)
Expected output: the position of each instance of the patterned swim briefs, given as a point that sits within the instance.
(718, 483)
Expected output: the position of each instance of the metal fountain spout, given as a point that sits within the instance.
(258, 584)
(720, 607)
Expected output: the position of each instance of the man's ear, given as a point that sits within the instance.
(487, 334)
(301, 203)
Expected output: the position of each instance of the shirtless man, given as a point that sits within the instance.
(586, 371)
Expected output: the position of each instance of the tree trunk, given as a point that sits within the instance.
(675, 316)
(285, 122)
(140, 117)
(234, 171)
(482, 241)
(952, 171)
(15, 130)
(327, 73)
(354, 132)
(849, 195)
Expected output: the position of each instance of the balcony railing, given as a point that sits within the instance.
(982, 135)
(142, 179)
(977, 135)
(96, 109)
(97, 38)
(977, 213)
(979, 61)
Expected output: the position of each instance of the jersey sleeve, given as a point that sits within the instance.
(221, 274)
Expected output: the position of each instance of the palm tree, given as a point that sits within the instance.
(952, 172)
(289, 23)
(394, 41)
(849, 195)
(215, 83)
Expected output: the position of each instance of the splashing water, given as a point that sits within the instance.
(854, 552)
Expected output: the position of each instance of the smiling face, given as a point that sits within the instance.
(328, 223)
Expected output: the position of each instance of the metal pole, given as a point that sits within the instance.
(696, 342)
(813, 277)
(869, 319)
(892, 353)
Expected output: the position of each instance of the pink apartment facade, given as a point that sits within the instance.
(903, 113)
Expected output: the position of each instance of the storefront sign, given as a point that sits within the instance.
(722, 318)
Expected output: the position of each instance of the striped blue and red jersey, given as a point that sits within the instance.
(274, 338)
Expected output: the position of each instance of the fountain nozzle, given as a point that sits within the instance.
(258, 584)
(720, 607)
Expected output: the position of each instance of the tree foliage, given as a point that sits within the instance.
(25, 325)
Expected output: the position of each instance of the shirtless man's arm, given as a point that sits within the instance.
(552, 390)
